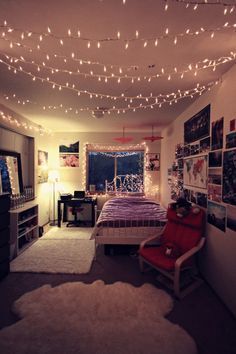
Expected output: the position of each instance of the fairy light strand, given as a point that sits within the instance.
(126, 41)
(156, 101)
(192, 67)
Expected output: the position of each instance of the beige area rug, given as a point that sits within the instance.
(81, 233)
(101, 319)
(54, 255)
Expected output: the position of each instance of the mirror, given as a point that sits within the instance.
(10, 172)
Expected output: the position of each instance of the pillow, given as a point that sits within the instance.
(172, 250)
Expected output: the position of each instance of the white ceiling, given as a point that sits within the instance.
(100, 20)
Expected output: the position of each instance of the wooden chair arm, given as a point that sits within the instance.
(190, 253)
(149, 239)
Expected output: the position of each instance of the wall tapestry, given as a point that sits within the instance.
(198, 126)
(42, 166)
(229, 177)
(195, 171)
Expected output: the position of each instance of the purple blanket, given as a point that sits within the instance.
(131, 212)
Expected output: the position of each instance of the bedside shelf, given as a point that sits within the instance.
(24, 228)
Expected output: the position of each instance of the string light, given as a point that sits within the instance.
(126, 41)
(156, 101)
(200, 65)
(19, 124)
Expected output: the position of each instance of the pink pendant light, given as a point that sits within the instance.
(123, 139)
(152, 137)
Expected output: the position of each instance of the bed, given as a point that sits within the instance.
(128, 221)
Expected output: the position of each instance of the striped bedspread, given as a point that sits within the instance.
(131, 212)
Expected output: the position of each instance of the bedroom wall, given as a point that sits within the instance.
(72, 178)
(218, 258)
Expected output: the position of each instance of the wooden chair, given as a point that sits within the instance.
(174, 256)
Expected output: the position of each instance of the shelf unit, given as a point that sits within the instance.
(24, 229)
(4, 234)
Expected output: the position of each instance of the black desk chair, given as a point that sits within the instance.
(75, 208)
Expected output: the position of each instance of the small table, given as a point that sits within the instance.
(75, 202)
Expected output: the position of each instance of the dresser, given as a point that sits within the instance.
(4, 234)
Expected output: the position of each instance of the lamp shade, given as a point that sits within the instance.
(53, 176)
(124, 139)
(152, 137)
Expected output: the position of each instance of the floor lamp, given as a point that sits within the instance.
(53, 177)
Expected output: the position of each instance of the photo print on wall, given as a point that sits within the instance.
(217, 134)
(215, 159)
(216, 215)
(231, 140)
(198, 126)
(229, 177)
(42, 166)
(69, 155)
(152, 162)
(231, 217)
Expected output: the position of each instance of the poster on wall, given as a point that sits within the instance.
(216, 215)
(69, 154)
(198, 126)
(229, 177)
(0, 182)
(195, 171)
(42, 166)
(214, 192)
(217, 134)
(204, 145)
(152, 162)
(231, 217)
(215, 176)
(215, 158)
(231, 140)
(69, 160)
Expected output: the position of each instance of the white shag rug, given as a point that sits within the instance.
(52, 255)
(95, 318)
(77, 233)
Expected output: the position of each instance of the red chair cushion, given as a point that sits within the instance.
(156, 256)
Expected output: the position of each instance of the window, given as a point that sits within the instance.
(123, 170)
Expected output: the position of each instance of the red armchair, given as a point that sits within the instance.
(175, 255)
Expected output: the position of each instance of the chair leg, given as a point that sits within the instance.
(177, 282)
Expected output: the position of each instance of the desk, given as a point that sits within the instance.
(75, 202)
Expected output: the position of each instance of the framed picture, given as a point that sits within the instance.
(217, 134)
(231, 140)
(195, 171)
(215, 159)
(216, 215)
(229, 177)
(198, 126)
(42, 166)
(69, 160)
(152, 162)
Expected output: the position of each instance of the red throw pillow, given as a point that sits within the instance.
(172, 250)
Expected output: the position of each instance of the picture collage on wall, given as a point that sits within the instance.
(204, 170)
(69, 155)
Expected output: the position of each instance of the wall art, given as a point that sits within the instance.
(204, 145)
(42, 166)
(216, 215)
(231, 140)
(198, 126)
(231, 217)
(229, 177)
(214, 192)
(217, 134)
(195, 171)
(152, 162)
(215, 158)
